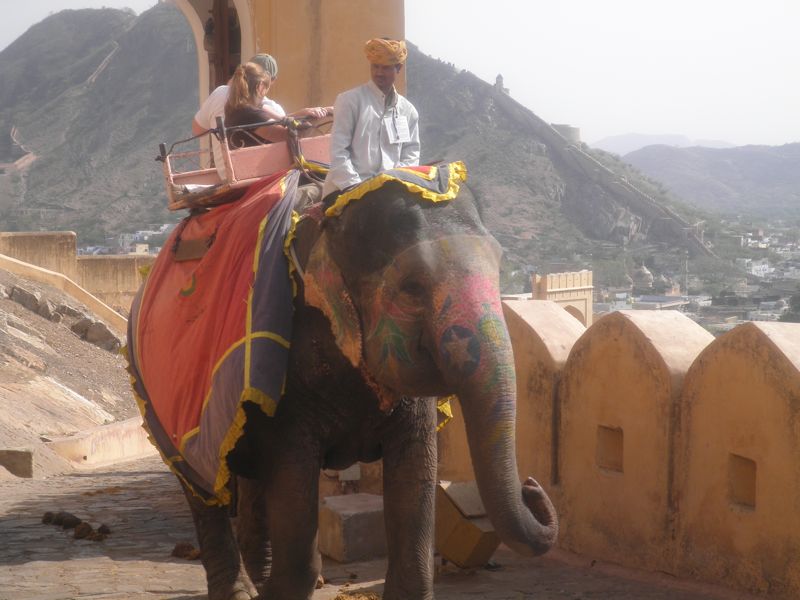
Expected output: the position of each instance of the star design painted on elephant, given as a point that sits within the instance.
(461, 349)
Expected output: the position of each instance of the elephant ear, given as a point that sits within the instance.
(325, 290)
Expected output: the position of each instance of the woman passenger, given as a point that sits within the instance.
(247, 88)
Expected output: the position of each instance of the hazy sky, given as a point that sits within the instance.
(709, 69)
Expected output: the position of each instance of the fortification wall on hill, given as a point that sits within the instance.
(573, 157)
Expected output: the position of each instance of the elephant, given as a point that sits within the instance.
(398, 305)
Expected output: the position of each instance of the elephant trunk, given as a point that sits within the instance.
(476, 357)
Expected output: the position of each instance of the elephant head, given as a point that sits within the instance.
(411, 289)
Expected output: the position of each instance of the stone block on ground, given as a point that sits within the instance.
(81, 325)
(464, 534)
(351, 527)
(46, 309)
(17, 461)
(100, 335)
(26, 298)
(69, 311)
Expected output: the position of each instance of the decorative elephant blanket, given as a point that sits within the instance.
(210, 331)
(435, 183)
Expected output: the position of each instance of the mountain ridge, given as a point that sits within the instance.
(552, 203)
(762, 181)
(629, 142)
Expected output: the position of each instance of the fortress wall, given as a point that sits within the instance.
(738, 462)
(54, 251)
(542, 335)
(619, 398)
(662, 447)
(114, 279)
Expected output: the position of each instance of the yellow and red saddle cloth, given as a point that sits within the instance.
(207, 335)
(435, 183)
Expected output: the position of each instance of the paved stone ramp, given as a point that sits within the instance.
(141, 502)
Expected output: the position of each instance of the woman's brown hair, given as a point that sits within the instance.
(243, 87)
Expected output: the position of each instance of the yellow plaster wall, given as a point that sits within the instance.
(319, 44)
(100, 282)
(618, 414)
(51, 250)
(542, 335)
(68, 286)
(742, 398)
(114, 279)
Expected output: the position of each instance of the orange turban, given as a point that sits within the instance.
(385, 52)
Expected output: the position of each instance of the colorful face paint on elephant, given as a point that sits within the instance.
(402, 305)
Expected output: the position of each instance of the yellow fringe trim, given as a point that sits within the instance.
(235, 431)
(443, 406)
(256, 396)
(169, 461)
(287, 251)
(457, 174)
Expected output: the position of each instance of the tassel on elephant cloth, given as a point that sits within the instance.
(210, 333)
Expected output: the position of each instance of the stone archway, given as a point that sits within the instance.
(196, 25)
(245, 46)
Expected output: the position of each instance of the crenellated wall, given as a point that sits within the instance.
(662, 447)
(739, 457)
(619, 400)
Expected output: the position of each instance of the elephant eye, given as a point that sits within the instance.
(412, 287)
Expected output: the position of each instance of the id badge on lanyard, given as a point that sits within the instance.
(397, 129)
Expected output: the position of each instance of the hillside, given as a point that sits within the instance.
(90, 143)
(761, 181)
(93, 118)
(52, 382)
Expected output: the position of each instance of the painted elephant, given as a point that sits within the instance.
(399, 305)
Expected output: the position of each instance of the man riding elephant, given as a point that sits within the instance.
(374, 127)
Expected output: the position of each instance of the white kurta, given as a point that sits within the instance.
(361, 144)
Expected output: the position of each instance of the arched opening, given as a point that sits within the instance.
(223, 37)
(575, 312)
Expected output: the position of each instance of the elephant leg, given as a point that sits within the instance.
(219, 552)
(292, 505)
(252, 531)
(409, 488)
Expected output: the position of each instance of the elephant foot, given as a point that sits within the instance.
(241, 590)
